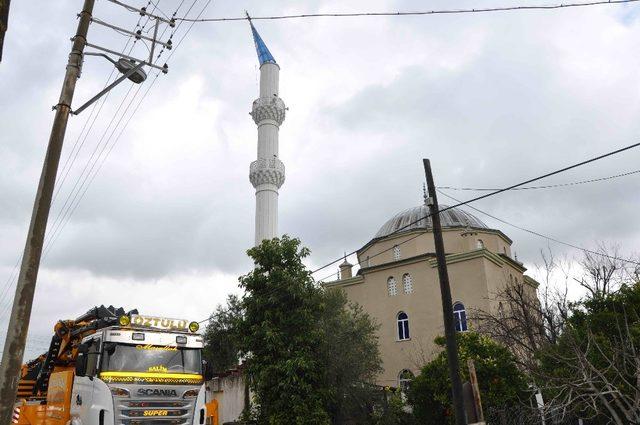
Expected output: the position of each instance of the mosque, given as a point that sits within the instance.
(397, 281)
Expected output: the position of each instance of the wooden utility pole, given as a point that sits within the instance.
(477, 401)
(447, 304)
(25, 289)
(4, 22)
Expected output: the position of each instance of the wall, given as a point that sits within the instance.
(229, 391)
(476, 276)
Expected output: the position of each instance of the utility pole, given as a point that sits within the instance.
(25, 289)
(447, 306)
(477, 401)
(4, 22)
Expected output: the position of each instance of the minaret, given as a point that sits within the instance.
(267, 172)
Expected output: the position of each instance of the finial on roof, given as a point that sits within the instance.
(345, 262)
(264, 55)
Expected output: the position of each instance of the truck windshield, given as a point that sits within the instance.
(152, 358)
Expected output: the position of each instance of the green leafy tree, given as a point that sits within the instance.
(393, 410)
(221, 349)
(594, 369)
(280, 336)
(350, 358)
(501, 382)
(311, 354)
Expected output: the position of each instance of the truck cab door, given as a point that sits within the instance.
(83, 386)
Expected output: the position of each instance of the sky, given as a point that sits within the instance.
(156, 211)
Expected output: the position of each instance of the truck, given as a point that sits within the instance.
(111, 367)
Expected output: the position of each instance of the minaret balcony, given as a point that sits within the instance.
(267, 171)
(268, 108)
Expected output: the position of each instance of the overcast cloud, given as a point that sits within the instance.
(491, 99)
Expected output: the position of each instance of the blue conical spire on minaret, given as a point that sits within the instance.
(264, 55)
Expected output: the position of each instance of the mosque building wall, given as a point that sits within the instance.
(403, 279)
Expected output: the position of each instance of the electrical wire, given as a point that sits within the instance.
(562, 170)
(461, 203)
(72, 156)
(55, 235)
(417, 13)
(549, 238)
(550, 186)
(86, 176)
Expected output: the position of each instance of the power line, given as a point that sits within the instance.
(71, 208)
(461, 203)
(484, 189)
(87, 178)
(562, 170)
(418, 13)
(69, 162)
(552, 239)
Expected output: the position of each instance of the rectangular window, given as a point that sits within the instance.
(92, 357)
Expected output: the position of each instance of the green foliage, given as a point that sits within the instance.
(393, 411)
(221, 349)
(596, 356)
(500, 381)
(310, 353)
(350, 356)
(279, 333)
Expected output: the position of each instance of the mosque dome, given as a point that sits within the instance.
(454, 217)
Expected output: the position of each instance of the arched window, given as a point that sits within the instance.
(460, 317)
(407, 283)
(404, 380)
(403, 326)
(392, 287)
(479, 244)
(504, 250)
(396, 253)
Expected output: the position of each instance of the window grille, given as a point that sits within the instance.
(407, 283)
(392, 287)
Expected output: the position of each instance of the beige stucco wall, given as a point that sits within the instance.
(455, 240)
(476, 276)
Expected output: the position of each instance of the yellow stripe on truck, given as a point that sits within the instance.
(152, 378)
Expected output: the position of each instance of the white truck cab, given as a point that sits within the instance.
(147, 370)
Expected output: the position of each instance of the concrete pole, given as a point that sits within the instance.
(447, 305)
(23, 299)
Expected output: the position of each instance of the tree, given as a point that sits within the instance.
(280, 336)
(349, 353)
(311, 355)
(594, 368)
(221, 349)
(582, 355)
(501, 382)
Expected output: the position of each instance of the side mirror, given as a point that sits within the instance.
(81, 360)
(110, 347)
(207, 371)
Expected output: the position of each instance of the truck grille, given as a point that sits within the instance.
(152, 412)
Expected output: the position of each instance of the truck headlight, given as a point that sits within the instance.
(190, 393)
(119, 392)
